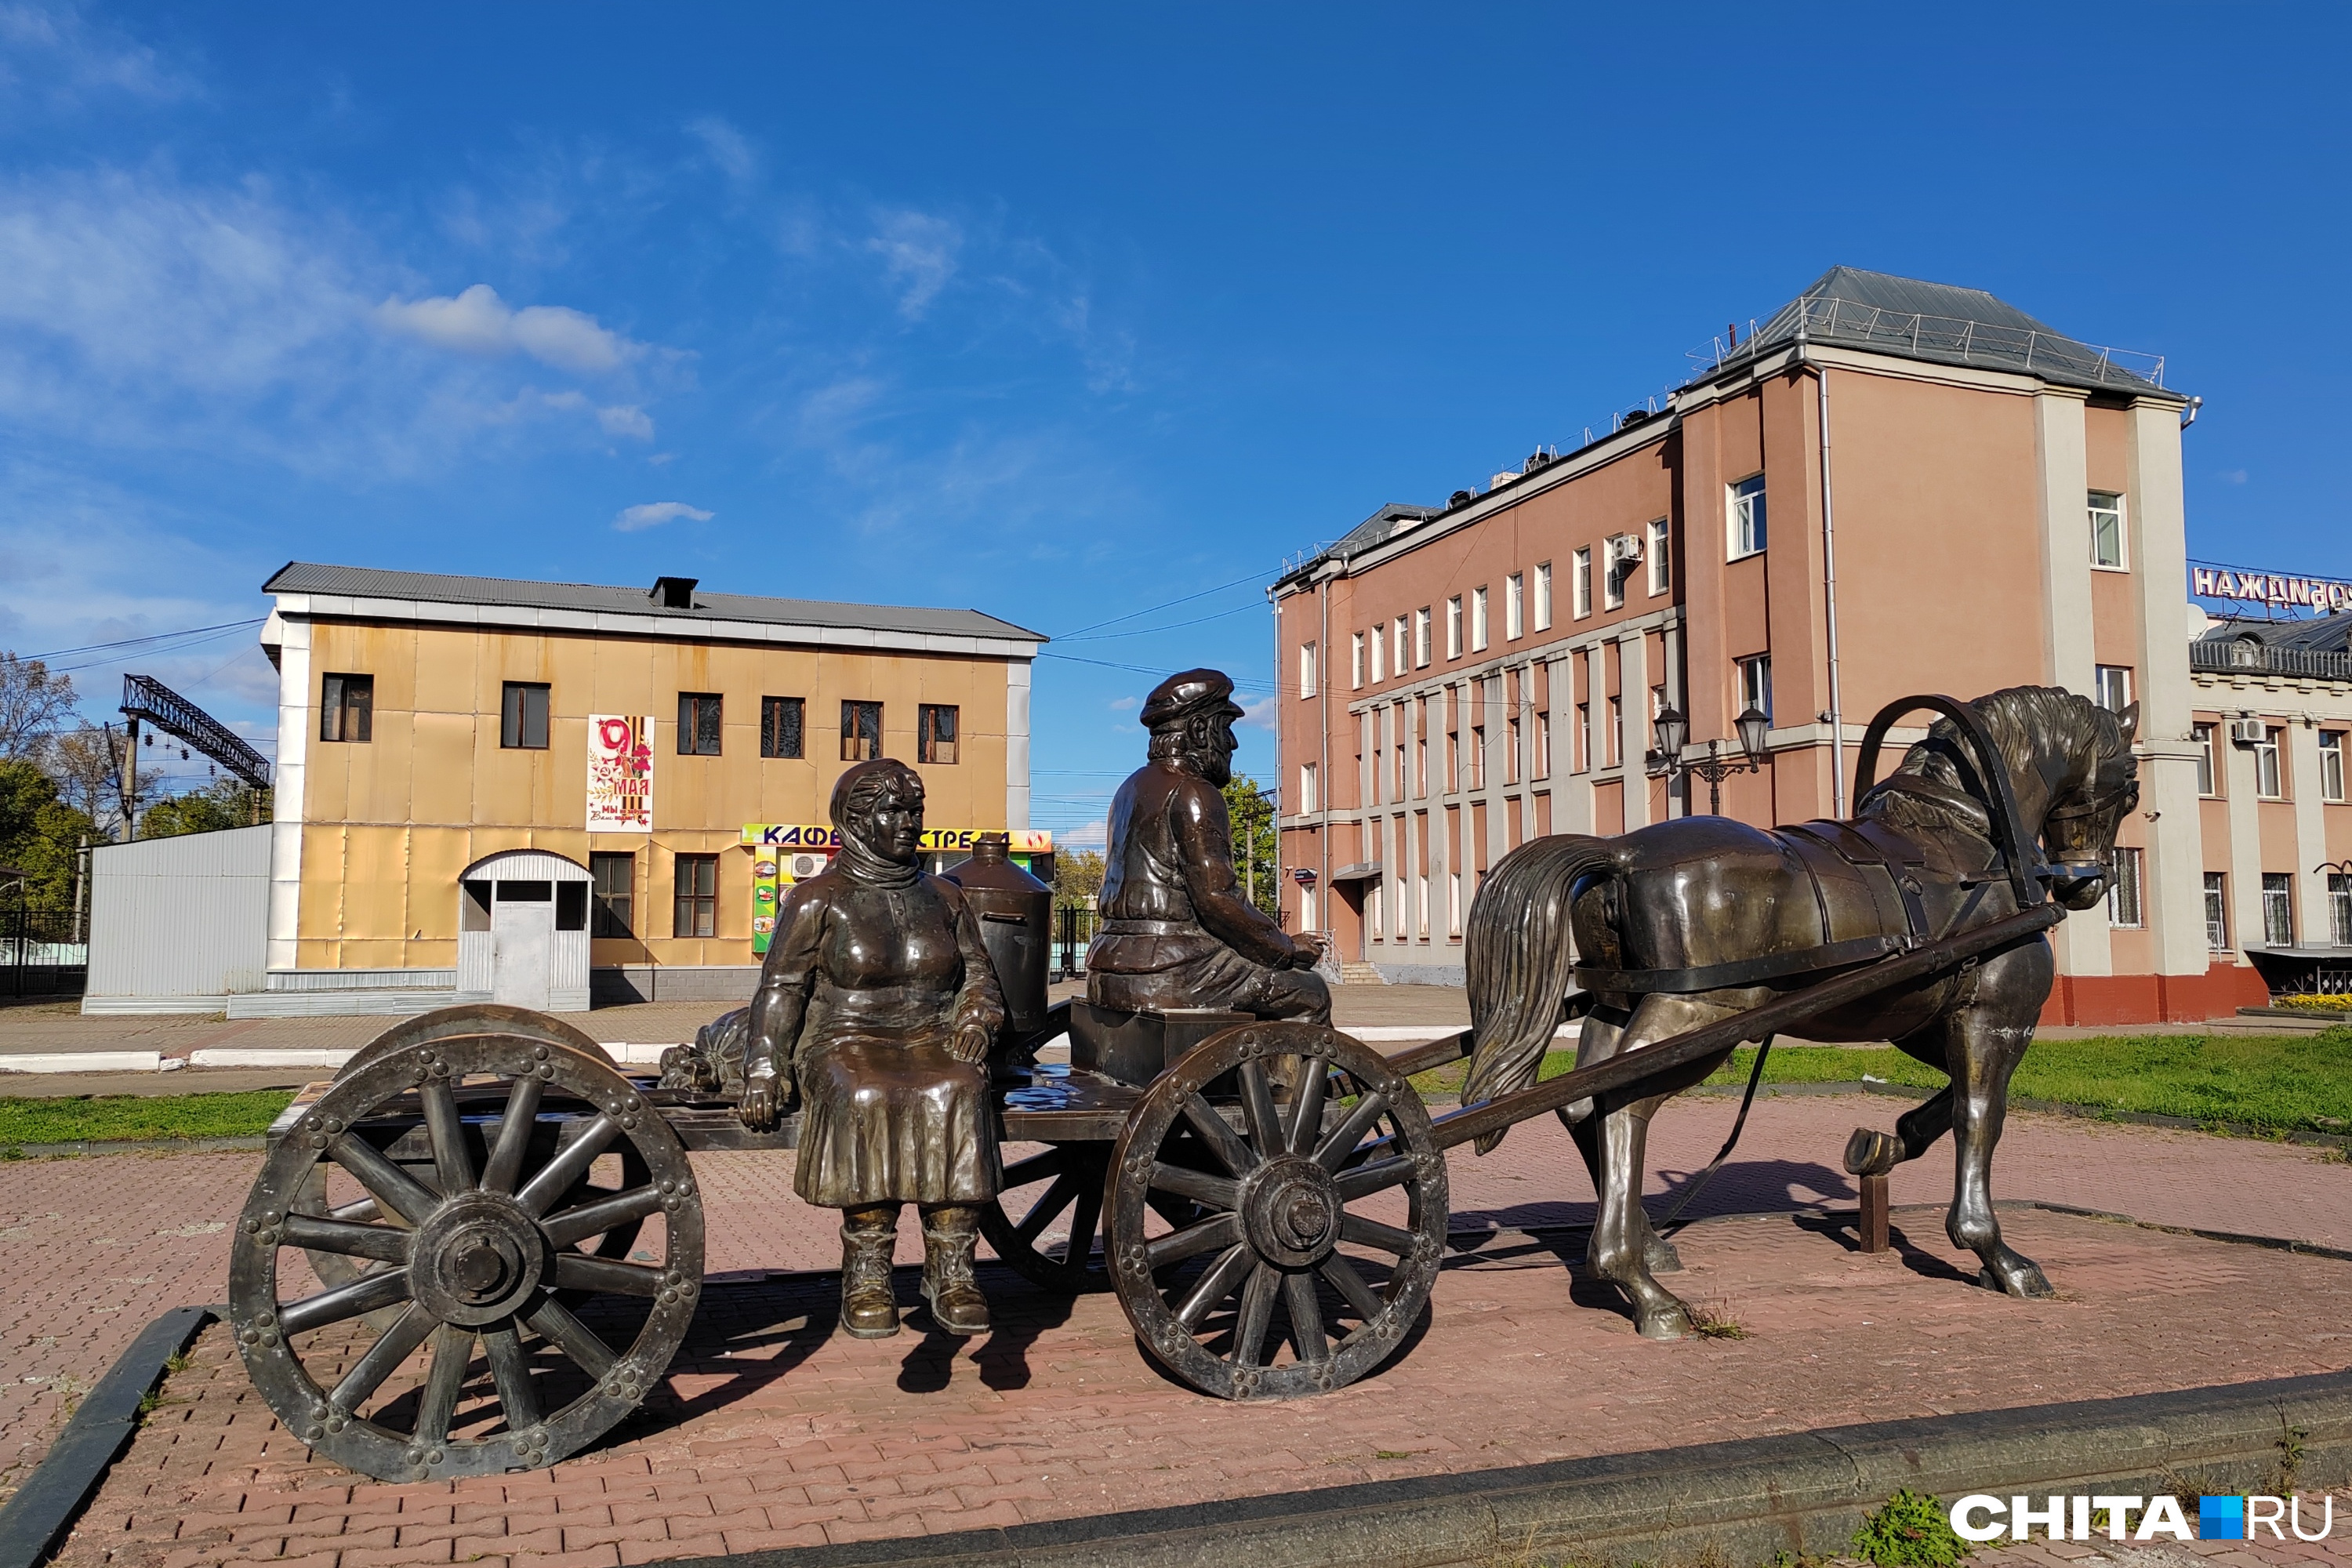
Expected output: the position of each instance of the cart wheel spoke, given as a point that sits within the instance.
(1258, 1109)
(362, 1211)
(569, 1226)
(1334, 1151)
(1208, 1235)
(1237, 1157)
(511, 1370)
(444, 1380)
(1257, 1311)
(576, 1271)
(1351, 1287)
(1372, 1233)
(554, 1321)
(452, 1162)
(1307, 1106)
(1366, 1180)
(1197, 1185)
(559, 1175)
(1306, 1317)
(1034, 1169)
(386, 1244)
(408, 1330)
(390, 1186)
(1219, 1282)
(1059, 1197)
(514, 1134)
(1082, 1223)
(385, 1288)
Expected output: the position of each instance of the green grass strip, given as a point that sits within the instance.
(2275, 1083)
(131, 1116)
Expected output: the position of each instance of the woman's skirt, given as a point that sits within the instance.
(887, 1121)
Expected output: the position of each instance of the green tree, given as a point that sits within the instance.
(39, 833)
(1077, 877)
(34, 706)
(225, 803)
(1257, 850)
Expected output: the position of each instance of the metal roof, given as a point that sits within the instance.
(1938, 323)
(432, 587)
(2314, 634)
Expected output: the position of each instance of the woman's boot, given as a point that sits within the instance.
(868, 1236)
(949, 1234)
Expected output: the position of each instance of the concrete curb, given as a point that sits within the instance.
(1805, 1492)
(80, 1146)
(49, 1501)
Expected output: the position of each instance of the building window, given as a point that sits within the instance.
(1453, 627)
(699, 725)
(1379, 654)
(1583, 737)
(1373, 923)
(935, 733)
(2268, 784)
(1661, 572)
(615, 878)
(1620, 567)
(1477, 620)
(2123, 888)
(1579, 584)
(1306, 669)
(347, 709)
(779, 727)
(1421, 637)
(1543, 595)
(1542, 769)
(1421, 888)
(1515, 594)
(2340, 907)
(571, 906)
(522, 716)
(2217, 912)
(2208, 775)
(1454, 903)
(2107, 529)
(1756, 684)
(1511, 756)
(2111, 687)
(1477, 756)
(2278, 909)
(697, 896)
(1356, 661)
(1745, 511)
(1306, 797)
(861, 732)
(1616, 736)
(2331, 765)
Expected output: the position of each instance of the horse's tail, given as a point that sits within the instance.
(1520, 957)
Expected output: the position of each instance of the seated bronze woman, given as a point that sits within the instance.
(878, 1002)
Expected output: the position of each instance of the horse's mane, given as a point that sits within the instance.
(2029, 724)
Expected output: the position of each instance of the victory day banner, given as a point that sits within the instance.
(620, 773)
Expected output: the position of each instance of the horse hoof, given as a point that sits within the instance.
(1668, 1322)
(2020, 1279)
(1870, 1152)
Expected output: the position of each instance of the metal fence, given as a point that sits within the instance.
(41, 953)
(2222, 656)
(1073, 931)
(1828, 319)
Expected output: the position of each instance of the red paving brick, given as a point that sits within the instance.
(1057, 1415)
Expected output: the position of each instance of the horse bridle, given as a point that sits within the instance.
(2058, 828)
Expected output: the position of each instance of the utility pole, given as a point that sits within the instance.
(129, 776)
(81, 874)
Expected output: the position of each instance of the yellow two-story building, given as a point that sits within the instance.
(528, 790)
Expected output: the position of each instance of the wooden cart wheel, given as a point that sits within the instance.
(1065, 1179)
(474, 1018)
(1281, 1230)
(480, 1253)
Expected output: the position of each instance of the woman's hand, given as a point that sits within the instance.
(761, 1106)
(973, 1043)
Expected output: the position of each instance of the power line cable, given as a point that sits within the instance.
(1154, 609)
(158, 637)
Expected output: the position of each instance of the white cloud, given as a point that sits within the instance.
(1265, 713)
(60, 55)
(1121, 704)
(477, 321)
(2233, 476)
(919, 253)
(653, 514)
(728, 148)
(625, 419)
(1094, 835)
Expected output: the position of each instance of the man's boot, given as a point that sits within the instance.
(868, 1236)
(949, 1234)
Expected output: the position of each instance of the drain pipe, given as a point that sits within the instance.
(1829, 582)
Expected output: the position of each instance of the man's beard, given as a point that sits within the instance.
(1214, 764)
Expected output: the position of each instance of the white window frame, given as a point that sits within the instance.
(1306, 669)
(1356, 662)
(1402, 646)
(1309, 801)
(2102, 505)
(2111, 686)
(1656, 553)
(1421, 889)
(1756, 683)
(2217, 912)
(1543, 595)
(1306, 908)
(2126, 907)
(1379, 642)
(1580, 583)
(1746, 518)
(1613, 572)
(1373, 922)
(2278, 896)
(1421, 637)
(1515, 605)
(1454, 903)
(2331, 768)
(2209, 764)
(1479, 620)
(2340, 907)
(2270, 776)
(1453, 627)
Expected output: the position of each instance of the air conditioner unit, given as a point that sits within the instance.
(1625, 547)
(803, 867)
(2248, 731)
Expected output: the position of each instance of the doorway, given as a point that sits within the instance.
(522, 936)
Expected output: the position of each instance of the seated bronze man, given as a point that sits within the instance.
(878, 1001)
(1178, 929)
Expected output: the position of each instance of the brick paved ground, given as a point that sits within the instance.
(767, 1406)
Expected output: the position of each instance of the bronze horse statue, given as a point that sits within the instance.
(1698, 918)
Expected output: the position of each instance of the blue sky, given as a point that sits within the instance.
(1058, 312)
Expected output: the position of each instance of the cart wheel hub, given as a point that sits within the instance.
(1292, 1212)
(477, 1259)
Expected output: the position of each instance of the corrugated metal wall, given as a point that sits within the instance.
(181, 919)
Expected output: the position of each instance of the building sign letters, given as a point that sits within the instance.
(772, 871)
(620, 773)
(2321, 594)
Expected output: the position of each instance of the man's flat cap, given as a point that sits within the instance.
(1181, 697)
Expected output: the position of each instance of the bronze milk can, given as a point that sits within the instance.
(1015, 912)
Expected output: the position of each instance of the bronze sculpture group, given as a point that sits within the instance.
(1244, 1176)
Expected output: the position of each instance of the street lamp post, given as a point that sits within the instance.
(1673, 733)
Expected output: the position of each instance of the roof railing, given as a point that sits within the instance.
(1970, 341)
(2244, 656)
